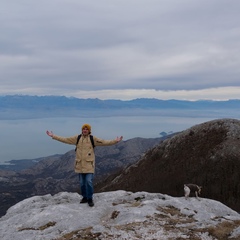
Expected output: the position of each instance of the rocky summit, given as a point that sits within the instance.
(119, 215)
(207, 154)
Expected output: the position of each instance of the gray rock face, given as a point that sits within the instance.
(119, 215)
(207, 154)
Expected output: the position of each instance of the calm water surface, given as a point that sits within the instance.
(27, 139)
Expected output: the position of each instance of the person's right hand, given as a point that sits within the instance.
(49, 133)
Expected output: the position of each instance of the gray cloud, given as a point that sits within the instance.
(68, 46)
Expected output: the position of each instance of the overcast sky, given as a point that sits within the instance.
(121, 49)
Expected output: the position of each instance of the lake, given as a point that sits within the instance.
(27, 139)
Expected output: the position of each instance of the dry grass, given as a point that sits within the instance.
(83, 234)
(114, 214)
(220, 232)
(41, 228)
(167, 220)
(223, 230)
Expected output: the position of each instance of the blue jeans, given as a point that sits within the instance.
(86, 184)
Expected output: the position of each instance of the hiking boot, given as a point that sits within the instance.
(90, 203)
(84, 200)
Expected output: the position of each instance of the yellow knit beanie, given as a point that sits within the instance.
(86, 126)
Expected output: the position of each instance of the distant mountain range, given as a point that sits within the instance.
(25, 106)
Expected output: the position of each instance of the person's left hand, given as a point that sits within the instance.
(118, 139)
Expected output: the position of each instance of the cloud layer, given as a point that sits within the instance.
(163, 49)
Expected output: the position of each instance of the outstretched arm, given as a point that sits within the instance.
(49, 133)
(69, 140)
(102, 142)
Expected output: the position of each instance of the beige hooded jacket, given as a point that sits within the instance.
(85, 156)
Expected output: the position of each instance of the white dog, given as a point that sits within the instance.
(188, 188)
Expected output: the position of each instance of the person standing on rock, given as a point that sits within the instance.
(85, 158)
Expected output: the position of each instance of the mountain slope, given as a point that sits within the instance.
(207, 154)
